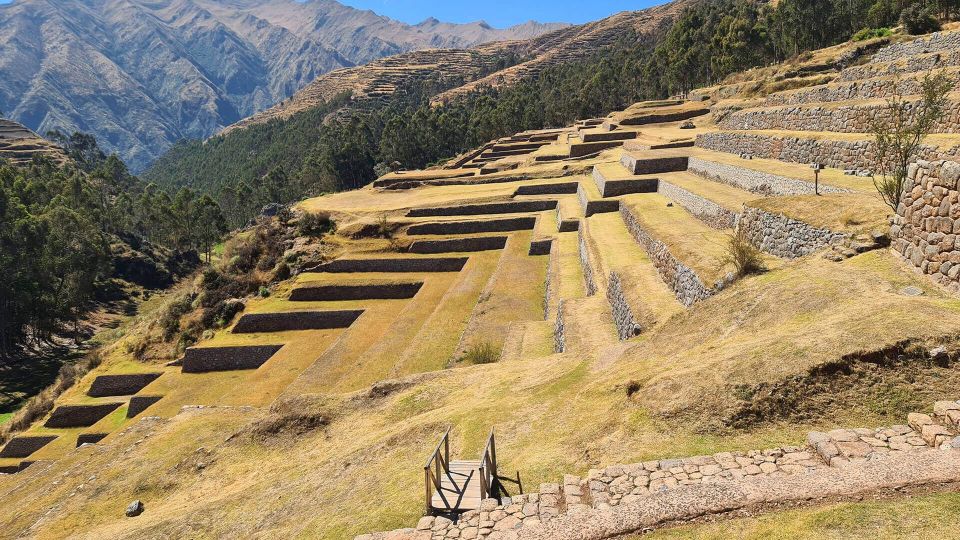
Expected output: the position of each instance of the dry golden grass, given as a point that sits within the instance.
(725, 195)
(852, 213)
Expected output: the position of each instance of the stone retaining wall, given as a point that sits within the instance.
(564, 188)
(509, 207)
(663, 117)
(138, 404)
(596, 207)
(704, 209)
(619, 500)
(652, 165)
(90, 438)
(382, 291)
(588, 278)
(850, 90)
(473, 227)
(458, 245)
(606, 136)
(347, 266)
(296, 320)
(684, 282)
(70, 416)
(559, 331)
(756, 181)
(120, 385)
(833, 153)
(785, 237)
(578, 150)
(936, 42)
(24, 445)
(612, 187)
(540, 247)
(838, 119)
(207, 359)
(927, 223)
(626, 323)
(914, 64)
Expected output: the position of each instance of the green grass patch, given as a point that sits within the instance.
(5, 417)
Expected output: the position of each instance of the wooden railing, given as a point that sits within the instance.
(489, 479)
(437, 466)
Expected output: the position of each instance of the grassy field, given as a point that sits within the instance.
(5, 417)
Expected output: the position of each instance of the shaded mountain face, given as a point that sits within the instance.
(141, 74)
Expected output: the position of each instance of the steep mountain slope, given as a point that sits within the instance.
(141, 75)
(381, 78)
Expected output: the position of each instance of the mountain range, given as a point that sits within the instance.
(142, 74)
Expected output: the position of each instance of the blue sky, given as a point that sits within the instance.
(500, 13)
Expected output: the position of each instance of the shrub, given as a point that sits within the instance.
(743, 255)
(481, 353)
(314, 224)
(918, 19)
(264, 292)
(871, 33)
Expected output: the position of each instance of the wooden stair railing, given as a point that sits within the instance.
(437, 465)
(489, 479)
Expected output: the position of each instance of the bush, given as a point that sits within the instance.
(314, 224)
(743, 255)
(481, 353)
(871, 33)
(918, 19)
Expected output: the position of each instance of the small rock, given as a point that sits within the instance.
(134, 509)
(911, 291)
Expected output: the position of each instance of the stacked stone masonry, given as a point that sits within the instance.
(854, 118)
(120, 385)
(509, 207)
(755, 181)
(934, 43)
(685, 283)
(927, 223)
(71, 416)
(473, 227)
(589, 281)
(296, 320)
(381, 291)
(208, 359)
(23, 446)
(458, 245)
(785, 237)
(915, 64)
(441, 264)
(559, 331)
(704, 209)
(608, 489)
(838, 154)
(623, 318)
(858, 89)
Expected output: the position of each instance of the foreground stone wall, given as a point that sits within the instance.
(622, 499)
(120, 385)
(785, 237)
(704, 209)
(833, 153)
(207, 359)
(684, 282)
(623, 318)
(755, 181)
(927, 223)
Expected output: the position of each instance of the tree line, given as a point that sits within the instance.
(306, 155)
(59, 224)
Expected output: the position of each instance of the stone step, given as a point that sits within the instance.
(458, 245)
(639, 162)
(601, 135)
(591, 201)
(613, 180)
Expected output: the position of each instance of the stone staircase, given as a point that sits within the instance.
(878, 458)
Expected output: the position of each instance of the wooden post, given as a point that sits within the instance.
(817, 167)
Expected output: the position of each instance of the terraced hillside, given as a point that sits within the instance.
(18, 144)
(477, 67)
(572, 291)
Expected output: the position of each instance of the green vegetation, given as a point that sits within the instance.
(63, 227)
(5, 417)
(871, 33)
(899, 133)
(743, 255)
(481, 353)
